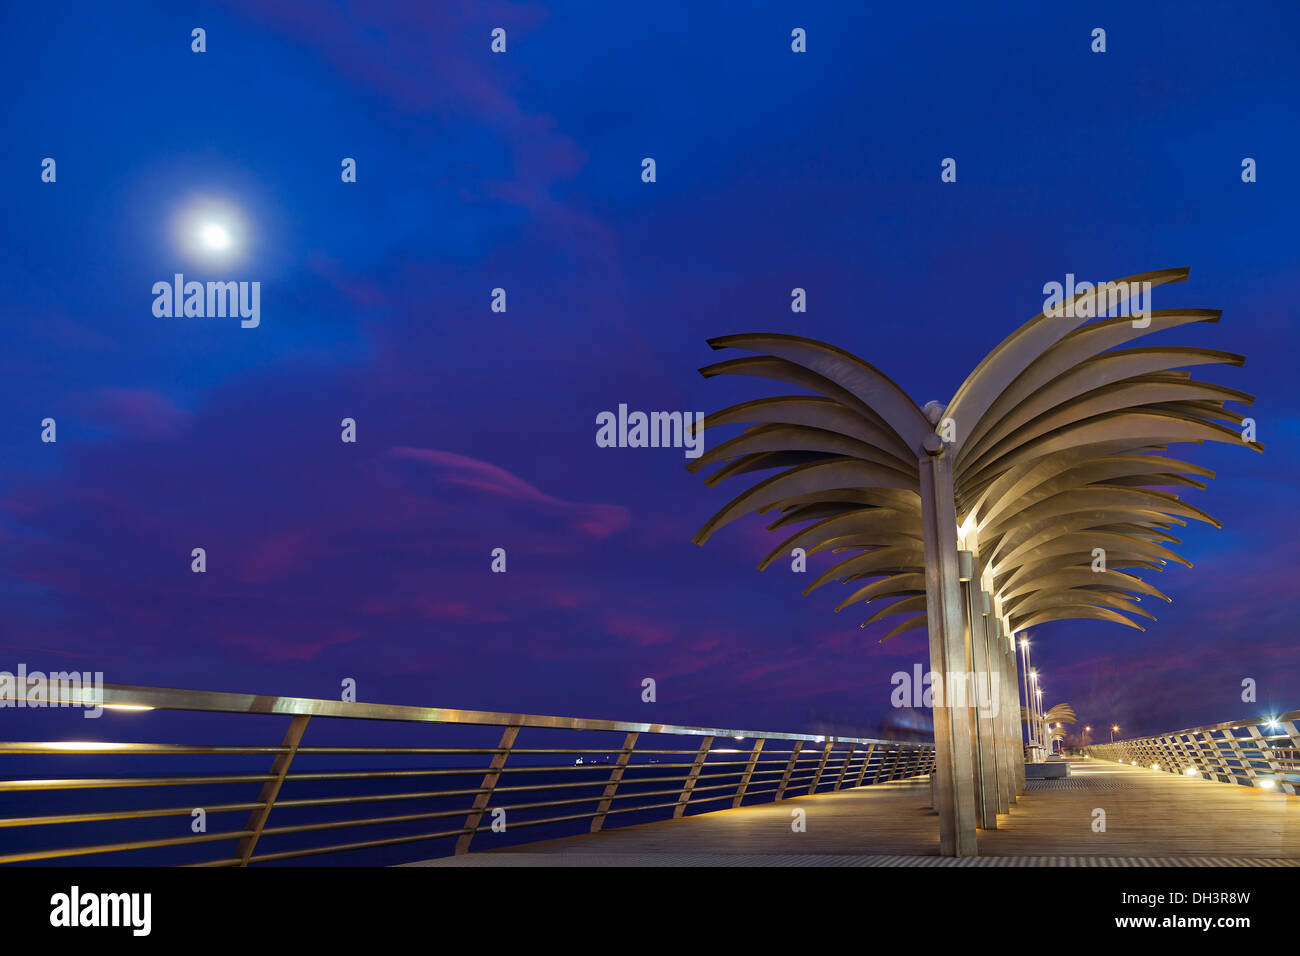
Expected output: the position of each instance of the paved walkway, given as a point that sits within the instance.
(1151, 818)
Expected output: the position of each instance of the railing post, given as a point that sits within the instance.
(789, 769)
(866, 759)
(912, 760)
(880, 771)
(1289, 729)
(845, 766)
(821, 765)
(271, 788)
(1178, 748)
(1164, 752)
(749, 772)
(1209, 751)
(615, 777)
(1266, 757)
(487, 787)
(685, 795)
(1221, 768)
(1195, 757)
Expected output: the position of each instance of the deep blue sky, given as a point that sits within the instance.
(476, 429)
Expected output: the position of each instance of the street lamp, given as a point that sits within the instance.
(1034, 699)
(1112, 733)
(1043, 740)
(1024, 670)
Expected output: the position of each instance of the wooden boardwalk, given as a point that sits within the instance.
(1150, 816)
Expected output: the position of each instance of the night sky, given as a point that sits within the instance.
(476, 429)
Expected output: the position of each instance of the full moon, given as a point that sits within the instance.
(211, 230)
(215, 236)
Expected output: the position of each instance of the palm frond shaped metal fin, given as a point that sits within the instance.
(1061, 441)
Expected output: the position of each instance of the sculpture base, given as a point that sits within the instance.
(1046, 771)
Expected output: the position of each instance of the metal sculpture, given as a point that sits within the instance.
(1048, 466)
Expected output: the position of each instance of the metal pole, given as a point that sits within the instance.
(998, 658)
(616, 777)
(684, 797)
(1013, 710)
(949, 654)
(1023, 722)
(985, 757)
(271, 788)
(749, 772)
(486, 788)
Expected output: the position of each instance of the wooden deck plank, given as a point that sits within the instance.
(1148, 814)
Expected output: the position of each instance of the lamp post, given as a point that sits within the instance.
(1024, 670)
(1035, 719)
(1031, 709)
(1042, 724)
(1112, 732)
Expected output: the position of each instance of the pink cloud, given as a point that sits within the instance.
(283, 650)
(458, 471)
(140, 412)
(274, 556)
(638, 631)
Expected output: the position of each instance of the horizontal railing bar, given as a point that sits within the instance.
(721, 796)
(387, 797)
(102, 783)
(756, 793)
(95, 746)
(428, 815)
(442, 772)
(717, 776)
(652, 806)
(1226, 725)
(344, 847)
(391, 841)
(471, 750)
(95, 783)
(120, 815)
(229, 861)
(714, 775)
(106, 747)
(519, 825)
(115, 847)
(591, 766)
(651, 793)
(628, 781)
(362, 822)
(224, 702)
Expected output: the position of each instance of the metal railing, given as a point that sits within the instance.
(620, 771)
(1254, 753)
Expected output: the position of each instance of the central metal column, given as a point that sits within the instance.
(985, 756)
(1011, 690)
(949, 654)
(1019, 736)
(1001, 736)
